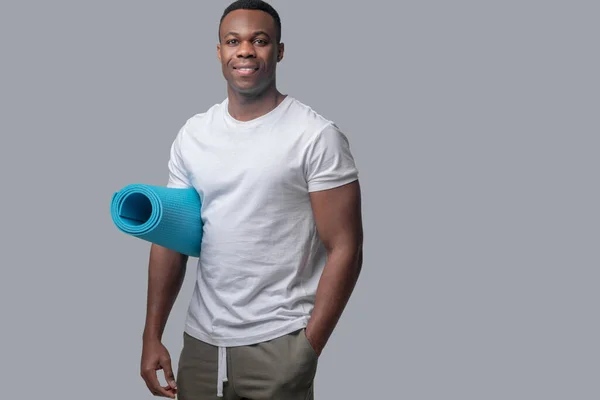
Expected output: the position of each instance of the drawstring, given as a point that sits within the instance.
(222, 371)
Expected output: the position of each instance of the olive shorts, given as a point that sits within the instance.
(280, 369)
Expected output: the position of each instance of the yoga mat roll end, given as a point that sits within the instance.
(169, 217)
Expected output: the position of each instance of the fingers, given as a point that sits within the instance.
(149, 376)
(169, 376)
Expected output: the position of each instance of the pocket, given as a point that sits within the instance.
(311, 349)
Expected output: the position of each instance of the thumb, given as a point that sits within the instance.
(169, 376)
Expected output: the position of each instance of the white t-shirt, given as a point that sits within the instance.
(261, 257)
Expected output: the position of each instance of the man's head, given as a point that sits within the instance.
(250, 45)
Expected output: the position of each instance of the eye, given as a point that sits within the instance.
(261, 42)
(230, 41)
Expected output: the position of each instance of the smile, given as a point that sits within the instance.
(245, 70)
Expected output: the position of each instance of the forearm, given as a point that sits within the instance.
(335, 287)
(166, 271)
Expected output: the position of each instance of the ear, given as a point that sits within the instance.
(280, 51)
(219, 51)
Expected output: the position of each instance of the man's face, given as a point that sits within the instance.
(248, 50)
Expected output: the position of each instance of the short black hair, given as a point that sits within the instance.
(254, 5)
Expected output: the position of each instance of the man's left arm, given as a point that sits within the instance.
(338, 219)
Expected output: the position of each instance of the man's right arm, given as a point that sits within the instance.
(166, 272)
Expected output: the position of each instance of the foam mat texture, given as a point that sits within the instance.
(169, 217)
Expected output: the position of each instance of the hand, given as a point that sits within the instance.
(155, 357)
(312, 341)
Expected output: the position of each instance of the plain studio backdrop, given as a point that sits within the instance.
(475, 126)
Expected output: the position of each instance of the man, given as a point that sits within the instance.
(282, 242)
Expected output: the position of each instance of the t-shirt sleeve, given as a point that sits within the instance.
(178, 175)
(329, 160)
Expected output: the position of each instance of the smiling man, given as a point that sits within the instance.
(282, 243)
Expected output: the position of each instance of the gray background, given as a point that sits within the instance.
(475, 128)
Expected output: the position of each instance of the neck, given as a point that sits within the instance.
(245, 107)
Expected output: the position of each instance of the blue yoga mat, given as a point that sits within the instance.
(169, 217)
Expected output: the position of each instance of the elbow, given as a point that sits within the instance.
(354, 259)
(359, 261)
(346, 253)
(357, 254)
(358, 258)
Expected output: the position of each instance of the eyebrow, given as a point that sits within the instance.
(255, 33)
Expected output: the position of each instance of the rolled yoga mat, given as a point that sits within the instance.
(169, 217)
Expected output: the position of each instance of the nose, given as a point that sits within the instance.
(246, 50)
